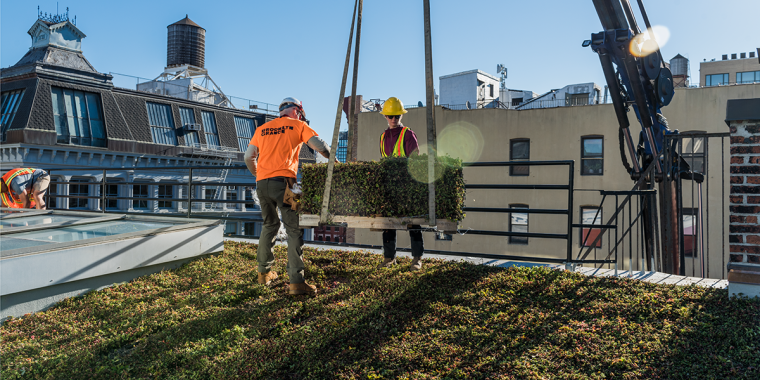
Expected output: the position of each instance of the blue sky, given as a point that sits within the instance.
(266, 51)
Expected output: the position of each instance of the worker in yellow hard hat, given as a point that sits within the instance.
(399, 141)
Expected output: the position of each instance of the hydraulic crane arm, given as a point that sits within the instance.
(634, 79)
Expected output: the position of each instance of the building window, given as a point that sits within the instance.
(165, 191)
(230, 228)
(577, 99)
(693, 152)
(9, 106)
(231, 195)
(140, 191)
(245, 128)
(516, 101)
(209, 125)
(518, 222)
(53, 190)
(690, 228)
(590, 215)
(78, 189)
(748, 77)
(187, 117)
(519, 150)
(112, 191)
(209, 193)
(183, 192)
(161, 124)
(340, 155)
(78, 117)
(249, 197)
(716, 80)
(490, 90)
(592, 155)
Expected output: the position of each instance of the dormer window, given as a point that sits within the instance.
(78, 117)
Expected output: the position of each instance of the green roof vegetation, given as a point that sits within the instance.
(391, 187)
(210, 320)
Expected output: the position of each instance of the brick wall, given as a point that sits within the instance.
(744, 235)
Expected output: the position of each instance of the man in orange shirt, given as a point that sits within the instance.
(272, 156)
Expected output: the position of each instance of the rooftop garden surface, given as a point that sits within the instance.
(210, 320)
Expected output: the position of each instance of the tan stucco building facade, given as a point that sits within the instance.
(554, 134)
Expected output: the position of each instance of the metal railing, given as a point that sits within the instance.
(183, 92)
(704, 234)
(188, 182)
(568, 212)
(634, 228)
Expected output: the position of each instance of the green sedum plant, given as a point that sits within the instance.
(391, 187)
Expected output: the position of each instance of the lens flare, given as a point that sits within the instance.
(418, 169)
(461, 140)
(642, 44)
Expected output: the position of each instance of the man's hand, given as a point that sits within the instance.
(25, 199)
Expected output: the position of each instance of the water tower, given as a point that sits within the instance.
(186, 44)
(185, 75)
(679, 66)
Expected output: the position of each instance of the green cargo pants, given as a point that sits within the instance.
(271, 192)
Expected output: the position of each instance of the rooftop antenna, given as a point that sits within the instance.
(502, 70)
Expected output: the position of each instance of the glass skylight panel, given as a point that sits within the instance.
(37, 220)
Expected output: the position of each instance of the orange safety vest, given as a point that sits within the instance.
(9, 199)
(398, 147)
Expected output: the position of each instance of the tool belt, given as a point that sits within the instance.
(292, 199)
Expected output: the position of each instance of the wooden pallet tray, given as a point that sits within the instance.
(379, 223)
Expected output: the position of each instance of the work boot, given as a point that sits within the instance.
(387, 262)
(266, 278)
(416, 263)
(302, 288)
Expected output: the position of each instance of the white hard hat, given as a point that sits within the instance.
(285, 103)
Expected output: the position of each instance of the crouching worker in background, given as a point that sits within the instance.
(272, 157)
(24, 188)
(399, 141)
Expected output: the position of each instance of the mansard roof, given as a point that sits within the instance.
(125, 116)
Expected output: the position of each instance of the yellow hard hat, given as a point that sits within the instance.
(393, 106)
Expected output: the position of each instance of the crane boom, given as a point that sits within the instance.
(638, 79)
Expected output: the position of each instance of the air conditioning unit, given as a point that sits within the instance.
(192, 127)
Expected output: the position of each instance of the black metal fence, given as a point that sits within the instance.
(633, 233)
(190, 198)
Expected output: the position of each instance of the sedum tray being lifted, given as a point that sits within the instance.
(379, 194)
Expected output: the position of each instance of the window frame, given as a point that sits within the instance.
(755, 79)
(211, 130)
(65, 124)
(136, 203)
(709, 80)
(187, 116)
(162, 129)
(693, 213)
(109, 193)
(516, 171)
(692, 156)
(162, 205)
(585, 159)
(9, 103)
(79, 203)
(518, 240)
(243, 134)
(592, 232)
